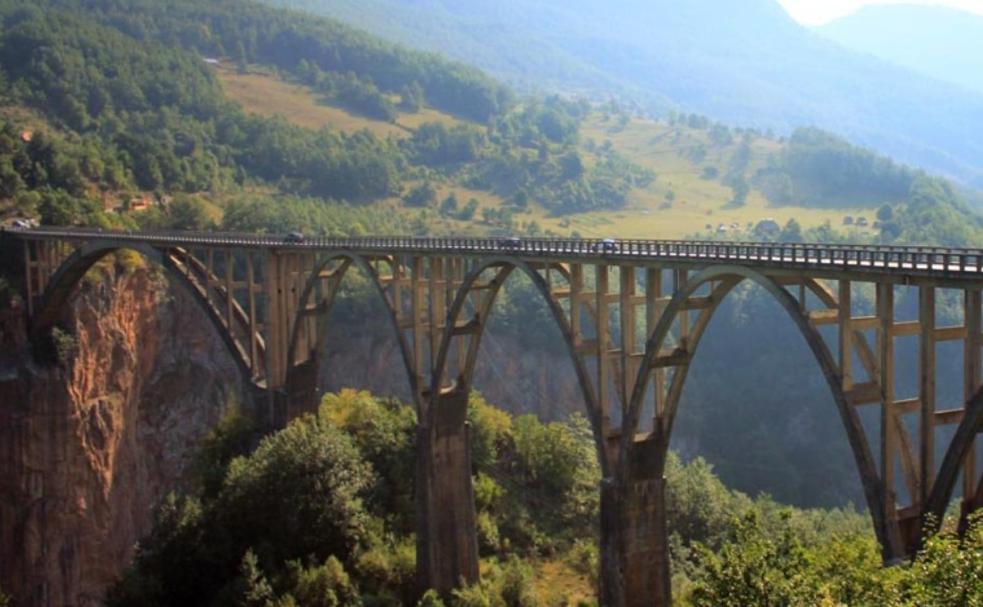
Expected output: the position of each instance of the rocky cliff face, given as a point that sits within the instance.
(89, 446)
(514, 378)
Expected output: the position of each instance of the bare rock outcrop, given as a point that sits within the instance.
(90, 445)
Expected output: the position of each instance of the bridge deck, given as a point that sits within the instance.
(895, 263)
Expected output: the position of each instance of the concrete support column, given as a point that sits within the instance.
(447, 539)
(634, 536)
(302, 392)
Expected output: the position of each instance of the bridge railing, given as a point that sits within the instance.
(889, 258)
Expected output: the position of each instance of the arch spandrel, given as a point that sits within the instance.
(490, 289)
(734, 275)
(65, 279)
(388, 293)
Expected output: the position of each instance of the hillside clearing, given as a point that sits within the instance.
(265, 94)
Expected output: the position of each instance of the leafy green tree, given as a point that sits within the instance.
(752, 569)
(411, 98)
(792, 232)
(517, 586)
(430, 599)
(948, 570)
(326, 585)
(468, 210)
(448, 207)
(385, 434)
(422, 195)
(741, 189)
(885, 213)
(255, 590)
(186, 214)
(297, 494)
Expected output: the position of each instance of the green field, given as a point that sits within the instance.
(695, 202)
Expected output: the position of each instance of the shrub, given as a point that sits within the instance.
(516, 584)
(298, 494)
(387, 573)
(326, 585)
(385, 434)
(65, 345)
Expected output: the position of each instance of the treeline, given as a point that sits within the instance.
(816, 168)
(350, 92)
(321, 513)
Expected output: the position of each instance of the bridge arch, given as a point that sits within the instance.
(505, 267)
(348, 260)
(955, 456)
(64, 282)
(727, 278)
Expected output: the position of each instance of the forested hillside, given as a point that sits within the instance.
(741, 62)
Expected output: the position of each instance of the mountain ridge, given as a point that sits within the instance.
(937, 41)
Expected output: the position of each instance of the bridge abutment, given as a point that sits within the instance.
(447, 540)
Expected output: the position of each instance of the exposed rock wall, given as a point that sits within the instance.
(511, 377)
(88, 447)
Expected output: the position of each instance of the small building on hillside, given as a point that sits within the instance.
(141, 202)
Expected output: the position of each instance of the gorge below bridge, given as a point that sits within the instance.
(631, 314)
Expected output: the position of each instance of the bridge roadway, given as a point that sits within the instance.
(270, 301)
(949, 264)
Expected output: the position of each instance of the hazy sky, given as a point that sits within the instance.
(814, 12)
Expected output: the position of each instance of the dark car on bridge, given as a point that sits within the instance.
(608, 245)
(512, 243)
(294, 238)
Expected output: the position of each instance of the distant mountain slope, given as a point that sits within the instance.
(934, 40)
(747, 63)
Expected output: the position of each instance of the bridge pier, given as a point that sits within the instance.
(447, 540)
(634, 536)
(302, 393)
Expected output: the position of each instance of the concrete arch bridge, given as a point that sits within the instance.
(631, 313)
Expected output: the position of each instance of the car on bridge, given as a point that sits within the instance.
(21, 223)
(294, 238)
(608, 245)
(511, 243)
